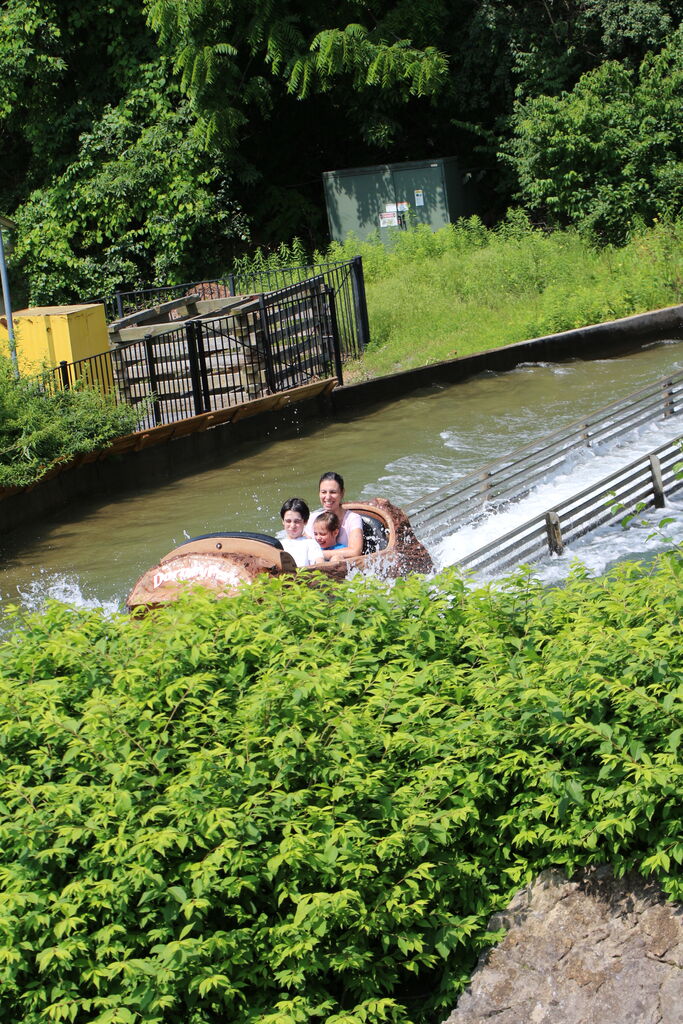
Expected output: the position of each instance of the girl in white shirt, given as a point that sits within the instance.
(295, 514)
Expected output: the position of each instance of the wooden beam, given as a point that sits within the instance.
(554, 530)
(657, 482)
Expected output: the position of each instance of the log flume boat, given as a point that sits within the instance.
(224, 562)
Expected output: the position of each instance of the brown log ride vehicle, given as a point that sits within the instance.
(224, 562)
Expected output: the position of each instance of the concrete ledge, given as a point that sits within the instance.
(111, 473)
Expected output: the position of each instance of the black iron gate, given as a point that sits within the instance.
(345, 279)
(273, 343)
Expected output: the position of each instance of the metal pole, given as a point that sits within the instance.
(336, 343)
(265, 346)
(8, 306)
(360, 304)
(203, 370)
(191, 335)
(148, 341)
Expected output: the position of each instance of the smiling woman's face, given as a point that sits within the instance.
(331, 495)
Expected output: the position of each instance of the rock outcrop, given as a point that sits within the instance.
(591, 951)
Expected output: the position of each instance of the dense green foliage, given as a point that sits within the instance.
(138, 200)
(296, 806)
(39, 428)
(609, 152)
(145, 142)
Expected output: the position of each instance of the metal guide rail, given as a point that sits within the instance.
(642, 484)
(514, 475)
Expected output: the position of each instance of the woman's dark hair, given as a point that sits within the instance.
(296, 505)
(332, 476)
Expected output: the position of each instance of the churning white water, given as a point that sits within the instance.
(582, 469)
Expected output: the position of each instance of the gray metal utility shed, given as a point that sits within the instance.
(389, 197)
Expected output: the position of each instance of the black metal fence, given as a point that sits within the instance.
(344, 278)
(281, 340)
(122, 304)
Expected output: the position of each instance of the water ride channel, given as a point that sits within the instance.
(92, 553)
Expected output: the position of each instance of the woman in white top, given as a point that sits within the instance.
(351, 530)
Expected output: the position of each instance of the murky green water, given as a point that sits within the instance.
(94, 552)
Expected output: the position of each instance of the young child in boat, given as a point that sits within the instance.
(326, 532)
(305, 551)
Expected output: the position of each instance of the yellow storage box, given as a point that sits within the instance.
(47, 335)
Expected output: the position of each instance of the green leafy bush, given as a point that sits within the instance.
(37, 428)
(607, 154)
(300, 805)
(143, 198)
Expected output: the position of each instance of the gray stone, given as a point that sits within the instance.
(595, 950)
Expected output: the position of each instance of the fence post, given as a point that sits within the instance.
(64, 374)
(265, 341)
(554, 531)
(669, 407)
(203, 372)
(118, 299)
(360, 305)
(336, 341)
(657, 482)
(153, 379)
(231, 284)
(190, 333)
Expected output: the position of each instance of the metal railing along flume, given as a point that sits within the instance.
(512, 476)
(641, 484)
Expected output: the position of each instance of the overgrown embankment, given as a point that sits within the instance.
(465, 289)
(40, 427)
(299, 805)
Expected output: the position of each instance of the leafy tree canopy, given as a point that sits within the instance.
(142, 198)
(245, 102)
(609, 152)
(60, 65)
(232, 49)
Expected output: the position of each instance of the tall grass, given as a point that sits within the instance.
(465, 288)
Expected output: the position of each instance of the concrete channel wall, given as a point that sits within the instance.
(154, 466)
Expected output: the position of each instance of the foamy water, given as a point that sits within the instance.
(67, 588)
(582, 469)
